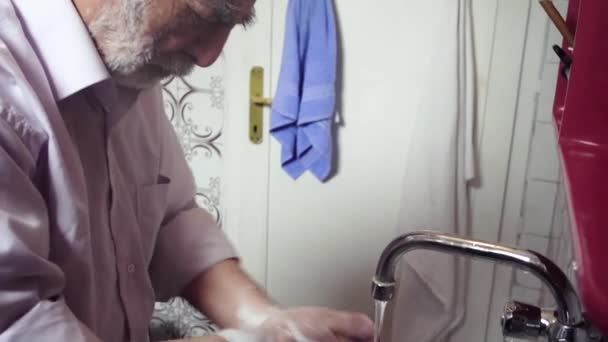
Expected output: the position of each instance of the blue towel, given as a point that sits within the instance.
(303, 107)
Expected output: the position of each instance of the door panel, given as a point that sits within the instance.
(245, 168)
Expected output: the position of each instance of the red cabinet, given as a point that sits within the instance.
(581, 122)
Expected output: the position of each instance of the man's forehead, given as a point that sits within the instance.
(225, 11)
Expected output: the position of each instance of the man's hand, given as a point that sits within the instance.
(233, 301)
(316, 324)
(306, 324)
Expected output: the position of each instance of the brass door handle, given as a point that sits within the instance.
(261, 101)
(257, 102)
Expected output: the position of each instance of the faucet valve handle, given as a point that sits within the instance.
(524, 321)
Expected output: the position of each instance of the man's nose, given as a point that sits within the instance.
(206, 52)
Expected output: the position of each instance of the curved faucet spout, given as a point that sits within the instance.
(569, 308)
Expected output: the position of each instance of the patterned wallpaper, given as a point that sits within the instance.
(195, 106)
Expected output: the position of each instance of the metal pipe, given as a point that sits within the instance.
(569, 308)
(558, 21)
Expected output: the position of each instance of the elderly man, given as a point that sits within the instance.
(97, 211)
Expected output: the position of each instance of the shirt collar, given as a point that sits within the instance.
(63, 44)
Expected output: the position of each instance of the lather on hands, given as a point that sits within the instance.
(305, 324)
(231, 299)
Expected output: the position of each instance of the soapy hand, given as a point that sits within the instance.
(232, 299)
(306, 324)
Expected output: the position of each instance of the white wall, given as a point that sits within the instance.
(535, 214)
(325, 251)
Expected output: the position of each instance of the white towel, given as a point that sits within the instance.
(430, 300)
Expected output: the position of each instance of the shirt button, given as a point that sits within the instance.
(131, 268)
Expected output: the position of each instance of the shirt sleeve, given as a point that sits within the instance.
(31, 286)
(190, 241)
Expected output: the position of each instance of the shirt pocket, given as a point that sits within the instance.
(151, 209)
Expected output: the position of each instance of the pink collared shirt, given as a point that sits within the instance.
(97, 211)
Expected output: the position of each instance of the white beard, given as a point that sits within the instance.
(128, 51)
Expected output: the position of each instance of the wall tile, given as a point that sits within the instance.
(544, 161)
(538, 207)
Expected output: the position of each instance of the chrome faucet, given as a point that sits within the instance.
(519, 320)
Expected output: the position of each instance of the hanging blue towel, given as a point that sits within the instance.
(303, 107)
